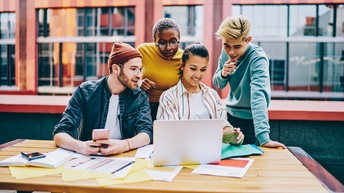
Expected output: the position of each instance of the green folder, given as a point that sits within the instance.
(229, 151)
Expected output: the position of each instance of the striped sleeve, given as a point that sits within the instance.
(168, 109)
(218, 110)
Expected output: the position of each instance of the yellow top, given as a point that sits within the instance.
(165, 73)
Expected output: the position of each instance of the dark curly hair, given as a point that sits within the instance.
(164, 24)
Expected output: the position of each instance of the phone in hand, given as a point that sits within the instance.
(99, 134)
(33, 155)
(230, 137)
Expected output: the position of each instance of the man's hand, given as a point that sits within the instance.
(274, 144)
(114, 146)
(147, 84)
(228, 68)
(88, 147)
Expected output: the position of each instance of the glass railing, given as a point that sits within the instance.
(312, 69)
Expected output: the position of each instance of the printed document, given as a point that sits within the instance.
(234, 167)
(116, 166)
(165, 173)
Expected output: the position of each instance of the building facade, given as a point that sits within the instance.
(51, 46)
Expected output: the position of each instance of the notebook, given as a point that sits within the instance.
(52, 160)
(229, 151)
(184, 142)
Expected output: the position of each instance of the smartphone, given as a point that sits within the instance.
(100, 134)
(230, 136)
(33, 155)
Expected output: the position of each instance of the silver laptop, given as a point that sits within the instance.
(187, 141)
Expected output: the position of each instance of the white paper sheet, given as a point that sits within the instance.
(235, 167)
(144, 152)
(116, 166)
(165, 173)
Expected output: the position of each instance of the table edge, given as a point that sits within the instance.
(10, 143)
(326, 178)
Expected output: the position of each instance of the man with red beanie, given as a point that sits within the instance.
(114, 102)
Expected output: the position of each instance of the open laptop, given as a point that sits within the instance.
(187, 141)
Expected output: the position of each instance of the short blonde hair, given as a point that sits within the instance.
(234, 28)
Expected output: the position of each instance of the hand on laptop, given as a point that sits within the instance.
(232, 136)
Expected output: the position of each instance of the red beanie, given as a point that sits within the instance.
(121, 53)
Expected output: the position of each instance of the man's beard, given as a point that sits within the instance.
(125, 80)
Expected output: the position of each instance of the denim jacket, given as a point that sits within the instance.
(88, 109)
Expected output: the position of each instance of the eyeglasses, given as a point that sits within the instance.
(135, 71)
(169, 44)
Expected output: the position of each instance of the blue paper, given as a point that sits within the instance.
(229, 151)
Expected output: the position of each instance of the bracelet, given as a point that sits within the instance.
(128, 144)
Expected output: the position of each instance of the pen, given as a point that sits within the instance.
(121, 168)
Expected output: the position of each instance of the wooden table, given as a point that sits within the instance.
(276, 171)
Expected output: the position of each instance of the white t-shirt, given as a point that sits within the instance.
(112, 122)
(200, 110)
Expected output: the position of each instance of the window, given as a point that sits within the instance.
(64, 63)
(300, 65)
(277, 69)
(46, 70)
(190, 21)
(7, 49)
(7, 25)
(262, 22)
(90, 21)
(105, 21)
(333, 60)
(303, 71)
(325, 20)
(7, 70)
(302, 20)
(43, 22)
(123, 20)
(70, 64)
(277, 61)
